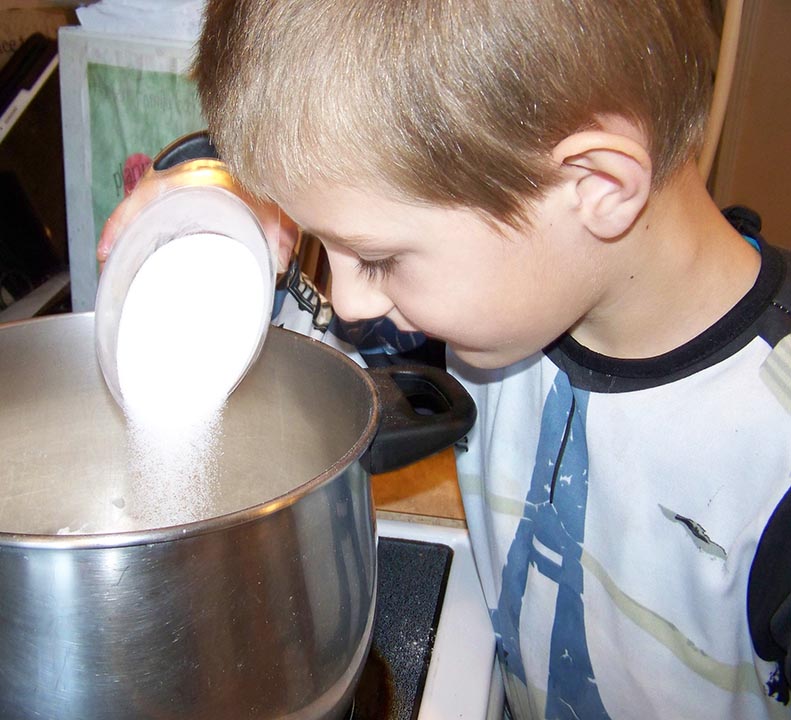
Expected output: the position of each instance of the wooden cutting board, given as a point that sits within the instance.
(428, 488)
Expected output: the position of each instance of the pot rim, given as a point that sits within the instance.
(217, 523)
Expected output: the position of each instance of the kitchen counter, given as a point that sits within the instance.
(426, 491)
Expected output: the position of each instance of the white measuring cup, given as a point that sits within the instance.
(203, 201)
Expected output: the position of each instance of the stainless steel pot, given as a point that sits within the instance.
(264, 609)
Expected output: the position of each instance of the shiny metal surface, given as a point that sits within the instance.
(262, 610)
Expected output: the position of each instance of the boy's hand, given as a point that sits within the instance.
(275, 223)
(148, 188)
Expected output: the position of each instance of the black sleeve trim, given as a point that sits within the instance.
(765, 311)
(769, 597)
(744, 220)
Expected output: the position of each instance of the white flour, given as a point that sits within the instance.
(189, 325)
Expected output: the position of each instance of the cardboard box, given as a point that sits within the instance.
(21, 20)
(123, 99)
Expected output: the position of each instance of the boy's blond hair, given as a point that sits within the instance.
(449, 102)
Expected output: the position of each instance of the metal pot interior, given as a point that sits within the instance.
(303, 413)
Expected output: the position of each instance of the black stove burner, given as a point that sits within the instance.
(411, 587)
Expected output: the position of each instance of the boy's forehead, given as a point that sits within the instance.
(350, 215)
(363, 219)
(336, 216)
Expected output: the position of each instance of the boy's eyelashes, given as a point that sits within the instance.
(377, 269)
(372, 269)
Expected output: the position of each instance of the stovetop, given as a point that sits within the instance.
(432, 653)
(412, 580)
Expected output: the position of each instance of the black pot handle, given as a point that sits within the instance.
(195, 146)
(424, 410)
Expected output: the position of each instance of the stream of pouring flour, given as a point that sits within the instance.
(189, 326)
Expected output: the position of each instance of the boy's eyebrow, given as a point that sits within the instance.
(347, 240)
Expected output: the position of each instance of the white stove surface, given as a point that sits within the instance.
(463, 679)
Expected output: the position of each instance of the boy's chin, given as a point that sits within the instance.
(486, 359)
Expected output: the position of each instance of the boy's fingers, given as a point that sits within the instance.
(149, 187)
(111, 230)
(288, 234)
(275, 223)
(278, 228)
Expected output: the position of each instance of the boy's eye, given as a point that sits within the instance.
(377, 269)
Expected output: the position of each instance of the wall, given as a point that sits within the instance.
(753, 166)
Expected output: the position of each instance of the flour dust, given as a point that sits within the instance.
(191, 322)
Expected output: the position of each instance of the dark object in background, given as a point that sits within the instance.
(26, 258)
(33, 243)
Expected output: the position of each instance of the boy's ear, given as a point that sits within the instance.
(610, 178)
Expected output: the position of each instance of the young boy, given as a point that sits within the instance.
(519, 180)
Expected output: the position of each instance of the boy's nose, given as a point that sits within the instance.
(354, 296)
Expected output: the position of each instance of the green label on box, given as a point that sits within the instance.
(133, 115)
